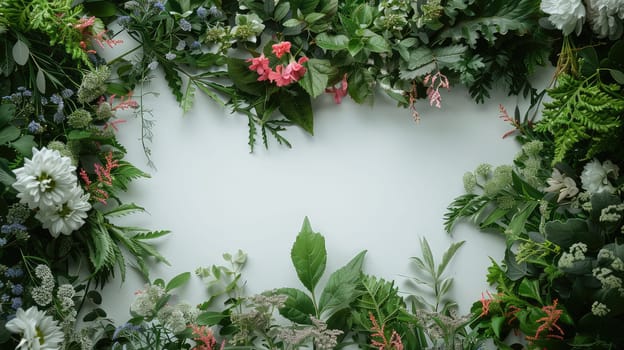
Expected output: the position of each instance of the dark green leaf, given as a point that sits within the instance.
(315, 80)
(566, 233)
(24, 145)
(7, 112)
(100, 9)
(296, 106)
(244, 79)
(95, 297)
(8, 134)
(530, 288)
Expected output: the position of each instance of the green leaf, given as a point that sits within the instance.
(8, 134)
(498, 322)
(7, 112)
(100, 9)
(309, 256)
(21, 53)
(40, 81)
(124, 209)
(355, 45)
(281, 11)
(315, 80)
(361, 82)
(617, 75)
(298, 307)
(24, 145)
(530, 289)
(363, 15)
(293, 22)
(296, 106)
(566, 233)
(95, 297)
(341, 288)
(448, 55)
(377, 43)
(189, 96)
(243, 78)
(518, 221)
(210, 318)
(448, 255)
(332, 42)
(79, 135)
(178, 281)
(313, 17)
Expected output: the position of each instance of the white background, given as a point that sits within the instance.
(370, 179)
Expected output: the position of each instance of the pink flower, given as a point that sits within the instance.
(437, 81)
(261, 66)
(296, 69)
(339, 92)
(280, 49)
(281, 76)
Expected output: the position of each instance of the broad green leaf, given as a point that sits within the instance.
(566, 233)
(530, 288)
(79, 134)
(293, 22)
(355, 45)
(377, 43)
(244, 79)
(210, 318)
(315, 80)
(313, 17)
(617, 75)
(178, 281)
(498, 322)
(95, 297)
(24, 145)
(363, 15)
(449, 54)
(420, 57)
(309, 256)
(8, 134)
(21, 53)
(296, 106)
(332, 42)
(40, 81)
(7, 112)
(298, 307)
(518, 221)
(100, 9)
(361, 82)
(281, 11)
(341, 288)
(6, 175)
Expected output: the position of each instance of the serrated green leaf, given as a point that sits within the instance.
(124, 209)
(341, 288)
(189, 97)
(178, 281)
(298, 307)
(317, 75)
(309, 256)
(448, 55)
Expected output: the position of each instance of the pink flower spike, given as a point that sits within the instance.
(260, 64)
(281, 76)
(85, 22)
(296, 70)
(280, 49)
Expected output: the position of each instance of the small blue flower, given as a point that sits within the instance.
(170, 56)
(201, 12)
(181, 45)
(44, 101)
(159, 5)
(185, 25)
(5, 298)
(56, 99)
(21, 88)
(195, 45)
(214, 11)
(58, 117)
(17, 289)
(153, 65)
(16, 303)
(6, 229)
(34, 128)
(3, 242)
(67, 93)
(14, 272)
(27, 93)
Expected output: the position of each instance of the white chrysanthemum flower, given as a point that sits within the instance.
(567, 15)
(39, 331)
(595, 176)
(606, 18)
(45, 179)
(67, 217)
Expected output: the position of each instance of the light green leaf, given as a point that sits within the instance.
(355, 45)
(41, 81)
(189, 96)
(178, 281)
(21, 53)
(448, 255)
(210, 318)
(124, 209)
(309, 256)
(341, 288)
(8, 134)
(332, 42)
(293, 22)
(518, 221)
(530, 288)
(281, 11)
(313, 17)
(617, 75)
(315, 80)
(377, 43)
(24, 145)
(363, 15)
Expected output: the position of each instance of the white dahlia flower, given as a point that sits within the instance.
(39, 331)
(567, 15)
(45, 180)
(67, 217)
(595, 176)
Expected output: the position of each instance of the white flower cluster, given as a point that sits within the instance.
(177, 317)
(606, 17)
(48, 182)
(145, 303)
(595, 176)
(608, 279)
(599, 309)
(576, 253)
